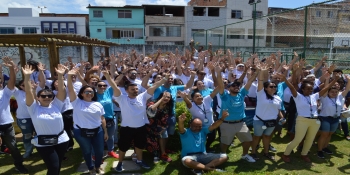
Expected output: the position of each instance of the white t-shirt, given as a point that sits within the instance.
(208, 83)
(203, 111)
(303, 104)
(133, 110)
(184, 78)
(122, 90)
(286, 95)
(138, 82)
(87, 114)
(22, 110)
(48, 120)
(5, 114)
(67, 105)
(267, 109)
(252, 90)
(332, 106)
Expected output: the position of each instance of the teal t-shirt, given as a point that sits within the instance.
(234, 105)
(106, 101)
(193, 142)
(173, 91)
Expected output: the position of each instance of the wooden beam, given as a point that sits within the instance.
(106, 51)
(58, 53)
(53, 56)
(22, 56)
(90, 55)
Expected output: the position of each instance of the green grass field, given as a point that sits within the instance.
(338, 163)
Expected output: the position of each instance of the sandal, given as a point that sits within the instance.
(269, 156)
(254, 156)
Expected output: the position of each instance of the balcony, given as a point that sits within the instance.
(164, 19)
(127, 41)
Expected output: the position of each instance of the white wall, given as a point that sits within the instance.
(23, 12)
(19, 22)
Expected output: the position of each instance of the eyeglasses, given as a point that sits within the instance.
(102, 85)
(274, 87)
(46, 96)
(88, 92)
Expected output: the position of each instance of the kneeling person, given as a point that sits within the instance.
(193, 141)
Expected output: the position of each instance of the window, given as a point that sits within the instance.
(71, 30)
(259, 14)
(213, 11)
(259, 34)
(318, 13)
(98, 14)
(197, 33)
(236, 14)
(99, 30)
(165, 31)
(215, 33)
(5, 30)
(124, 14)
(330, 14)
(199, 11)
(58, 27)
(29, 30)
(316, 31)
(123, 34)
(63, 30)
(46, 29)
(55, 30)
(235, 33)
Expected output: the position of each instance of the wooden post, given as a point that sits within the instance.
(58, 54)
(53, 56)
(90, 55)
(106, 51)
(22, 56)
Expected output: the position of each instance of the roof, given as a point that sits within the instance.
(163, 5)
(126, 6)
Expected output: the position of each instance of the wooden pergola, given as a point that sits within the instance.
(53, 42)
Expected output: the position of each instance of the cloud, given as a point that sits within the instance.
(110, 2)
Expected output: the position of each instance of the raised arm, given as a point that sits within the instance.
(183, 95)
(325, 89)
(41, 76)
(219, 122)
(27, 71)
(261, 77)
(181, 126)
(11, 65)
(291, 87)
(151, 90)
(178, 67)
(61, 92)
(145, 79)
(116, 90)
(347, 88)
(71, 93)
(189, 84)
(252, 79)
(319, 64)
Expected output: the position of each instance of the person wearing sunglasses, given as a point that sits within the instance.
(89, 123)
(104, 96)
(7, 132)
(51, 140)
(267, 110)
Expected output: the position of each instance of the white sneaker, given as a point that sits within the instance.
(134, 157)
(248, 158)
(155, 159)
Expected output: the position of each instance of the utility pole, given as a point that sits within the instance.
(252, 2)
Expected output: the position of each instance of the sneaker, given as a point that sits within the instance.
(347, 138)
(6, 151)
(271, 148)
(254, 156)
(220, 170)
(142, 164)
(327, 151)
(92, 172)
(21, 169)
(165, 158)
(257, 147)
(306, 158)
(269, 156)
(197, 172)
(320, 154)
(113, 154)
(248, 158)
(99, 171)
(286, 158)
(134, 157)
(155, 159)
(119, 167)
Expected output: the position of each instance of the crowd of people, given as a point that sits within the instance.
(139, 93)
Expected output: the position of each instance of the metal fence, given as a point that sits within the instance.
(313, 31)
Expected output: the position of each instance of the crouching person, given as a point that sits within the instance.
(193, 141)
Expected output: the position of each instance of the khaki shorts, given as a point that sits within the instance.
(229, 131)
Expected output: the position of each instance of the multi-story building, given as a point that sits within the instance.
(203, 14)
(123, 25)
(164, 24)
(28, 20)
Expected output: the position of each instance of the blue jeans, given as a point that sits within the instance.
(111, 132)
(86, 146)
(117, 115)
(344, 126)
(27, 129)
(171, 125)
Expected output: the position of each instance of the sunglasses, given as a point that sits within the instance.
(88, 92)
(273, 87)
(101, 85)
(46, 96)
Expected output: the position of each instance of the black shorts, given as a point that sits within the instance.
(127, 135)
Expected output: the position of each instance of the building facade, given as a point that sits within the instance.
(202, 15)
(123, 25)
(29, 21)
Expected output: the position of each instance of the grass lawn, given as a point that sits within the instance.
(338, 163)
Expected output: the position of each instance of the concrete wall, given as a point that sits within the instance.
(23, 12)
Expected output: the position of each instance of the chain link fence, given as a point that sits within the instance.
(313, 31)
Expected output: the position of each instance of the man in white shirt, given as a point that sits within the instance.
(134, 120)
(207, 82)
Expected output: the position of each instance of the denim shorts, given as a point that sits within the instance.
(258, 131)
(329, 124)
(171, 126)
(203, 158)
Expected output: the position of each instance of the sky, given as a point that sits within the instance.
(79, 6)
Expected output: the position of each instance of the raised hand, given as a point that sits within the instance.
(193, 73)
(73, 71)
(182, 117)
(60, 70)
(41, 66)
(7, 61)
(281, 77)
(332, 67)
(210, 65)
(165, 94)
(182, 94)
(27, 69)
(224, 114)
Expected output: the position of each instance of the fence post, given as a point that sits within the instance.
(206, 39)
(224, 38)
(305, 30)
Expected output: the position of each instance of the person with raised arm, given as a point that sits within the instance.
(133, 125)
(89, 123)
(51, 140)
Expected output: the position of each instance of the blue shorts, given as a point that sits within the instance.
(203, 158)
(171, 126)
(258, 131)
(329, 124)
